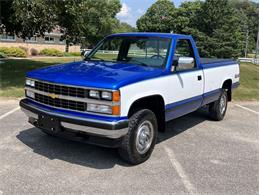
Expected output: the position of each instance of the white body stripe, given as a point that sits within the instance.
(178, 86)
(215, 77)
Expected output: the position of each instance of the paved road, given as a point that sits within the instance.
(195, 155)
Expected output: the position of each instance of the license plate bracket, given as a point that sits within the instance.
(49, 123)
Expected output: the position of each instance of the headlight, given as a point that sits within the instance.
(106, 95)
(99, 108)
(30, 82)
(114, 110)
(94, 94)
(30, 94)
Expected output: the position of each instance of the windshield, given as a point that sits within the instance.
(140, 50)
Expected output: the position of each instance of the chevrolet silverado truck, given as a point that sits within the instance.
(126, 89)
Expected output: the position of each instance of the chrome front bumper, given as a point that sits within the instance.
(98, 128)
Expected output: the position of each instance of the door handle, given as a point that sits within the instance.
(199, 78)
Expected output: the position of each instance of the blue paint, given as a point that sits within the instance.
(76, 114)
(151, 34)
(96, 74)
(211, 96)
(109, 75)
(177, 109)
(114, 75)
(175, 38)
(219, 64)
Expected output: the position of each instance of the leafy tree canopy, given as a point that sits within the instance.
(123, 27)
(158, 18)
(77, 18)
(218, 26)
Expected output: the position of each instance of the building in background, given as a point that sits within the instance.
(50, 40)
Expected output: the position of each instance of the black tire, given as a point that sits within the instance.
(216, 111)
(128, 150)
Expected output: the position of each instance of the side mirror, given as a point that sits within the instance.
(185, 60)
(182, 61)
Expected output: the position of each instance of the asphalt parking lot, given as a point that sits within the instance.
(195, 155)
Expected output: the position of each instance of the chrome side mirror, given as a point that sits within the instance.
(185, 60)
(180, 63)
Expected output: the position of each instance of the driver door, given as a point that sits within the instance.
(187, 81)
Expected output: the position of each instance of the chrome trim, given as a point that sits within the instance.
(76, 86)
(74, 117)
(85, 100)
(30, 114)
(86, 112)
(114, 134)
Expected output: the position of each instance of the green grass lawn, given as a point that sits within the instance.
(13, 72)
(249, 83)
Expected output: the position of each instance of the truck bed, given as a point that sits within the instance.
(214, 62)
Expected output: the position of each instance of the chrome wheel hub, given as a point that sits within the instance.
(144, 137)
(223, 103)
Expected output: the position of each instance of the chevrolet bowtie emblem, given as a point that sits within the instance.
(53, 96)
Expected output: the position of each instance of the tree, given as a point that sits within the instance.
(6, 13)
(187, 17)
(248, 15)
(97, 19)
(216, 25)
(77, 19)
(158, 18)
(121, 27)
(32, 18)
(220, 23)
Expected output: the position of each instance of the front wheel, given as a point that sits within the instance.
(217, 109)
(140, 140)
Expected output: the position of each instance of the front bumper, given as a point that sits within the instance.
(106, 129)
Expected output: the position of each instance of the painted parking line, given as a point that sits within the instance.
(10, 112)
(185, 179)
(248, 109)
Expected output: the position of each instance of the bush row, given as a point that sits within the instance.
(51, 52)
(12, 52)
(23, 51)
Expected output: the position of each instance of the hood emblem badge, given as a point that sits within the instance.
(53, 96)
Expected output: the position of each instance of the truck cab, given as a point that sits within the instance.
(126, 89)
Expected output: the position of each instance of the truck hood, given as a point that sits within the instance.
(95, 74)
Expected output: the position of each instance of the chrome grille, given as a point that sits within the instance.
(61, 90)
(61, 103)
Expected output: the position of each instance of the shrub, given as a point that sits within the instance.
(34, 52)
(2, 55)
(51, 52)
(71, 53)
(24, 48)
(13, 52)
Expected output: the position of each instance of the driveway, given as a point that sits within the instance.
(194, 155)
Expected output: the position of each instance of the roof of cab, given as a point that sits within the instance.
(151, 34)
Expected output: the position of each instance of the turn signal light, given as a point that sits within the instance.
(116, 110)
(116, 96)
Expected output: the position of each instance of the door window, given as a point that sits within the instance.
(184, 55)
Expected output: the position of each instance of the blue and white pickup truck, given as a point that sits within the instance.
(126, 89)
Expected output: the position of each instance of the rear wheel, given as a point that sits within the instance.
(217, 109)
(140, 140)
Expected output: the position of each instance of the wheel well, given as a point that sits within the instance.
(228, 86)
(154, 103)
